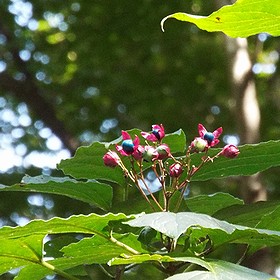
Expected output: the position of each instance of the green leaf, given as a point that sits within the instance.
(92, 250)
(209, 204)
(241, 19)
(270, 220)
(250, 214)
(97, 250)
(34, 272)
(87, 163)
(87, 224)
(252, 159)
(176, 141)
(221, 270)
(217, 270)
(20, 252)
(92, 192)
(22, 246)
(263, 214)
(199, 225)
(175, 224)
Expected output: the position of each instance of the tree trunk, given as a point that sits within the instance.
(247, 111)
(248, 118)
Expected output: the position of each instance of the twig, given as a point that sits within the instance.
(122, 245)
(58, 271)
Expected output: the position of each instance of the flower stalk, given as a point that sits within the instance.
(171, 174)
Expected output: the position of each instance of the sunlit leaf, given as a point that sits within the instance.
(219, 232)
(15, 253)
(93, 250)
(217, 270)
(92, 192)
(88, 224)
(221, 270)
(241, 19)
(175, 224)
(253, 158)
(22, 246)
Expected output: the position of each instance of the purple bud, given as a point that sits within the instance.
(138, 152)
(230, 151)
(150, 153)
(163, 151)
(199, 144)
(111, 159)
(175, 170)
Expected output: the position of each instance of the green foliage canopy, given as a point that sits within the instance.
(107, 238)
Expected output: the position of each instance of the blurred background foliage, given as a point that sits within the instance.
(74, 72)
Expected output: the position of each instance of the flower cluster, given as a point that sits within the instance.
(173, 173)
(131, 147)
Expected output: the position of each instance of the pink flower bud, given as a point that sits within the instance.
(138, 153)
(230, 151)
(150, 153)
(111, 159)
(163, 151)
(199, 144)
(175, 170)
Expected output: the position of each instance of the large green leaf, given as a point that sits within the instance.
(92, 192)
(175, 224)
(263, 214)
(252, 159)
(220, 232)
(22, 246)
(88, 224)
(217, 270)
(92, 250)
(221, 270)
(241, 19)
